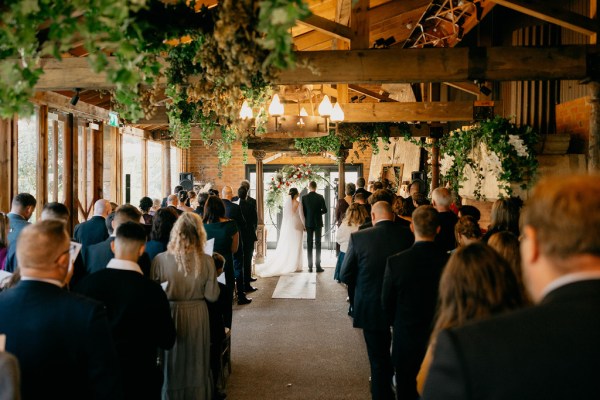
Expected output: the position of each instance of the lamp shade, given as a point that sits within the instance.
(325, 107)
(276, 108)
(246, 111)
(303, 112)
(337, 115)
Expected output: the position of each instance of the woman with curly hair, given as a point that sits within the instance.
(190, 279)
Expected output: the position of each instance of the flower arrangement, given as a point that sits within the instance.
(298, 176)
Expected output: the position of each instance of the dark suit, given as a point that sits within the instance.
(446, 238)
(547, 352)
(248, 237)
(363, 270)
(409, 298)
(365, 191)
(234, 212)
(62, 341)
(97, 256)
(140, 319)
(16, 224)
(91, 232)
(313, 208)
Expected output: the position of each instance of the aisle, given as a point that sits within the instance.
(298, 349)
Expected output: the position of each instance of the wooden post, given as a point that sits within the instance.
(261, 244)
(594, 151)
(144, 167)
(166, 169)
(116, 176)
(342, 174)
(8, 162)
(70, 171)
(435, 164)
(42, 160)
(54, 160)
(97, 163)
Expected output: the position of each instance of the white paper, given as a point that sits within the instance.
(164, 285)
(209, 247)
(74, 251)
(221, 279)
(4, 277)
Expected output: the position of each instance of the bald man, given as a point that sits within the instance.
(173, 202)
(62, 340)
(94, 230)
(363, 270)
(441, 199)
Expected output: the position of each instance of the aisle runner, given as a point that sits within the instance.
(301, 285)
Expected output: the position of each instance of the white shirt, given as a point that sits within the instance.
(342, 235)
(124, 265)
(570, 278)
(54, 282)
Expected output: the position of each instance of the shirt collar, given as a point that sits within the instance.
(570, 278)
(382, 220)
(54, 282)
(124, 265)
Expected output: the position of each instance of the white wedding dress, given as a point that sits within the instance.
(287, 257)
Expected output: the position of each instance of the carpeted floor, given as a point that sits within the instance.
(297, 349)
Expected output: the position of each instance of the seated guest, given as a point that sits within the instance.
(467, 231)
(476, 284)
(162, 225)
(21, 210)
(409, 298)
(504, 217)
(4, 227)
(138, 313)
(94, 230)
(355, 217)
(53, 333)
(441, 200)
(97, 256)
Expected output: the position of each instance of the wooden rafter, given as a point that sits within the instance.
(328, 27)
(370, 93)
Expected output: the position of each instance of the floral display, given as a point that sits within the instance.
(298, 176)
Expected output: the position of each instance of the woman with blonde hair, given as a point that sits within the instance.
(190, 279)
(356, 215)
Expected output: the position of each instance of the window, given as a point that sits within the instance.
(132, 166)
(27, 154)
(155, 174)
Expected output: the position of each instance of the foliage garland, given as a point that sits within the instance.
(289, 176)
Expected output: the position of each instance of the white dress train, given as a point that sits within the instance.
(287, 257)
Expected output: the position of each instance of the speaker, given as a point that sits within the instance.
(417, 175)
(186, 175)
(186, 180)
(421, 178)
(127, 188)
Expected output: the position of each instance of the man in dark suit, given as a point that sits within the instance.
(62, 340)
(21, 210)
(441, 199)
(176, 191)
(362, 271)
(409, 298)
(549, 351)
(97, 256)
(94, 230)
(248, 236)
(313, 208)
(360, 188)
(138, 313)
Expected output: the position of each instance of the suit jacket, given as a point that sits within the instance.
(409, 299)
(91, 232)
(364, 267)
(446, 238)
(234, 212)
(313, 207)
(550, 351)
(365, 191)
(251, 217)
(10, 377)
(140, 320)
(62, 341)
(17, 224)
(97, 256)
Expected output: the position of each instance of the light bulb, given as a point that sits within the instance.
(337, 115)
(303, 112)
(276, 108)
(325, 108)
(246, 111)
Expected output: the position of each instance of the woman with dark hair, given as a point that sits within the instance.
(184, 201)
(164, 219)
(225, 233)
(504, 217)
(507, 245)
(202, 197)
(145, 206)
(467, 231)
(476, 284)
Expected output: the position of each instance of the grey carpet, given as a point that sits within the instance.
(297, 349)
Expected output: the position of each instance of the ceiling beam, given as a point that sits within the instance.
(370, 93)
(393, 9)
(327, 26)
(556, 15)
(465, 87)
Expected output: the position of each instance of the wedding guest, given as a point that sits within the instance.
(162, 225)
(53, 333)
(471, 211)
(507, 245)
(155, 206)
(21, 210)
(176, 191)
(138, 313)
(361, 199)
(380, 195)
(145, 206)
(441, 200)
(173, 203)
(360, 188)
(343, 203)
(399, 208)
(190, 279)
(192, 199)
(94, 230)
(504, 217)
(355, 216)
(248, 236)
(467, 231)
(4, 227)
(246, 183)
(184, 202)
(202, 197)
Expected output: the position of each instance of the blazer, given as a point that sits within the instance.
(234, 212)
(313, 207)
(251, 217)
(409, 298)
(365, 191)
(549, 351)
(17, 224)
(91, 232)
(62, 341)
(446, 238)
(364, 266)
(97, 256)
(140, 320)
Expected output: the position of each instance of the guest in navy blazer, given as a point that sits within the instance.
(21, 210)
(62, 340)
(94, 230)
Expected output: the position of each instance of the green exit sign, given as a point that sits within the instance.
(113, 119)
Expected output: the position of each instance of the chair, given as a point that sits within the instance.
(226, 357)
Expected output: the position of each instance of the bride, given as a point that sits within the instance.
(287, 257)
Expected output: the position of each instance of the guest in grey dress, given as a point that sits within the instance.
(190, 279)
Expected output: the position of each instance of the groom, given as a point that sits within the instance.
(313, 207)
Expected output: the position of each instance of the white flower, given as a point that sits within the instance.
(519, 145)
(491, 159)
(446, 163)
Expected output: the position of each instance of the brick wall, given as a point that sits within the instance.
(573, 117)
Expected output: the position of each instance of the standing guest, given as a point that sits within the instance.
(360, 188)
(138, 313)
(145, 207)
(226, 235)
(202, 197)
(399, 208)
(362, 271)
(476, 284)
(21, 210)
(176, 191)
(248, 236)
(504, 217)
(53, 333)
(355, 217)
(441, 200)
(469, 210)
(409, 298)
(246, 183)
(343, 203)
(94, 230)
(4, 227)
(163, 222)
(507, 245)
(313, 208)
(173, 203)
(467, 231)
(184, 201)
(388, 197)
(190, 279)
(193, 199)
(155, 206)
(360, 198)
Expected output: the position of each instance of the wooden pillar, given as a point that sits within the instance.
(342, 174)
(359, 22)
(42, 160)
(97, 163)
(594, 151)
(166, 168)
(261, 244)
(83, 171)
(144, 167)
(55, 160)
(8, 162)
(70, 170)
(116, 174)
(435, 164)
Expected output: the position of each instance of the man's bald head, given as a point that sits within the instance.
(172, 200)
(382, 210)
(227, 192)
(102, 208)
(41, 250)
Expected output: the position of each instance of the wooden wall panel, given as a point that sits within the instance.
(42, 160)
(8, 162)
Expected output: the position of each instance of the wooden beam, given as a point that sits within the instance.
(70, 171)
(370, 93)
(41, 193)
(465, 87)
(271, 144)
(359, 22)
(555, 15)
(329, 27)
(55, 160)
(97, 164)
(8, 162)
(63, 103)
(394, 8)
